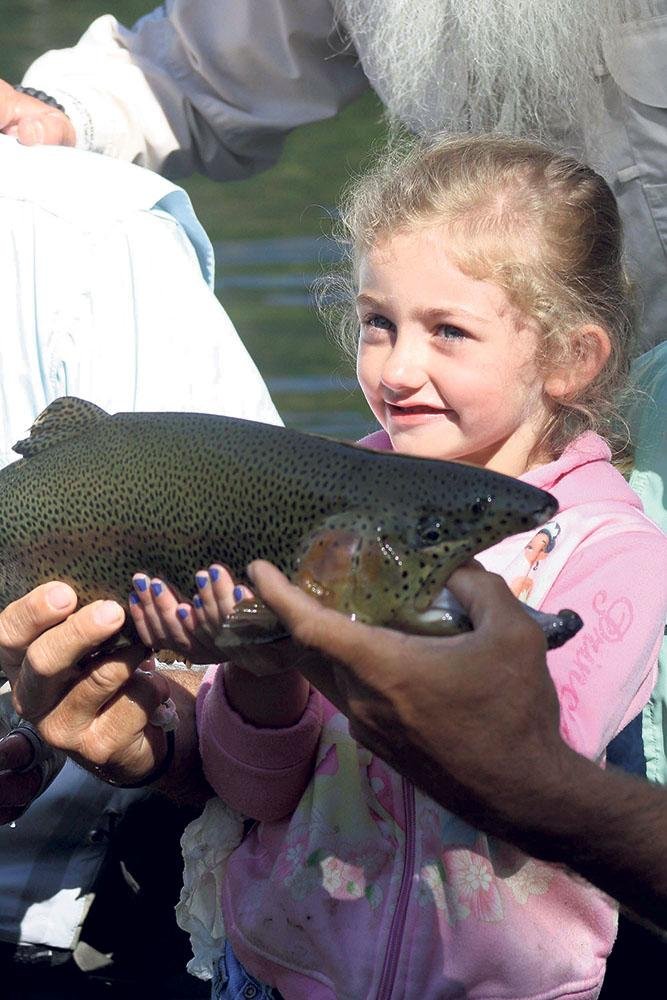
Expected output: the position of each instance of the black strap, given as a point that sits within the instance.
(152, 776)
(40, 96)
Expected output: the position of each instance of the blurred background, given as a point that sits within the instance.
(271, 233)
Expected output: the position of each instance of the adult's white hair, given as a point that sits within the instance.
(523, 67)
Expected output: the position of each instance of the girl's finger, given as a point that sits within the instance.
(145, 609)
(138, 617)
(227, 593)
(179, 626)
(204, 603)
(201, 646)
(215, 586)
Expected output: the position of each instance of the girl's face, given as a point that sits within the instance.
(445, 362)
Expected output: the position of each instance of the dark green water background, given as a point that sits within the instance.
(269, 231)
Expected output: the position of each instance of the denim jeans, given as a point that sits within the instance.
(232, 982)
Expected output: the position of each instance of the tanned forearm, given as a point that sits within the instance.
(473, 721)
(276, 701)
(604, 824)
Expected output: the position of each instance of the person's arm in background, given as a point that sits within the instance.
(474, 721)
(212, 86)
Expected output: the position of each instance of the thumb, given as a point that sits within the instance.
(485, 596)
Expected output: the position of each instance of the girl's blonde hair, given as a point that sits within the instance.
(540, 225)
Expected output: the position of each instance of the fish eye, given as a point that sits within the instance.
(430, 530)
(480, 505)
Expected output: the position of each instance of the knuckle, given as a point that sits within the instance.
(43, 659)
(90, 755)
(80, 630)
(106, 678)
(99, 752)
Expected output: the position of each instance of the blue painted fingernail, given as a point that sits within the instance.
(197, 601)
(141, 584)
(238, 593)
(156, 588)
(214, 573)
(182, 613)
(202, 580)
(134, 599)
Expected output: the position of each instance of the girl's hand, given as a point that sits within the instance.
(192, 629)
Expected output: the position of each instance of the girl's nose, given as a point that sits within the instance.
(404, 366)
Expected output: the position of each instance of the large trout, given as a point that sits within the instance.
(96, 498)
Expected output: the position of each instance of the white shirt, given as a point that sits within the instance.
(105, 293)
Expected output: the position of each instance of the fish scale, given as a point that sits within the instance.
(98, 497)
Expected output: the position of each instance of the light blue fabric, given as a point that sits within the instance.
(232, 982)
(648, 424)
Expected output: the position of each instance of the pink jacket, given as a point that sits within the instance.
(355, 884)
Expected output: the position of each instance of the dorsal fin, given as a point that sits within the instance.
(62, 420)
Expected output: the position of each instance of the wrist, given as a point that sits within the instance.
(540, 809)
(275, 701)
(525, 799)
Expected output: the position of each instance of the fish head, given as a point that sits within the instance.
(387, 567)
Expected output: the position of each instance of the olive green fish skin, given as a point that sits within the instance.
(99, 497)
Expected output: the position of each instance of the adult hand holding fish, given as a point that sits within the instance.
(464, 717)
(473, 719)
(100, 714)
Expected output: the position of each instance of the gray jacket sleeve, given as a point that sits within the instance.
(208, 85)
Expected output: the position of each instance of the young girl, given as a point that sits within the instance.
(493, 327)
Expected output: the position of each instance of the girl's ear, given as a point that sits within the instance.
(591, 348)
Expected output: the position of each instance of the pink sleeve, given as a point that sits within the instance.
(260, 772)
(605, 674)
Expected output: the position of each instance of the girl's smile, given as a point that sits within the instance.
(408, 416)
(446, 363)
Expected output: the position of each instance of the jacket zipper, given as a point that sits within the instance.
(388, 976)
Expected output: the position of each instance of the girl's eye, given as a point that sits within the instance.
(448, 332)
(379, 322)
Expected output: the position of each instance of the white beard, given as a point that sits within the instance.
(523, 67)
